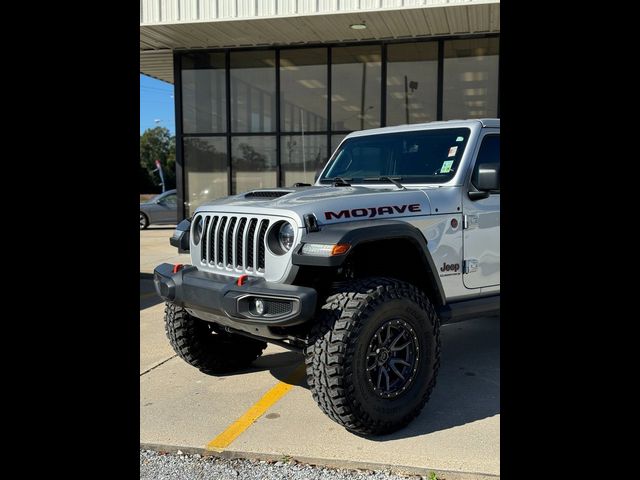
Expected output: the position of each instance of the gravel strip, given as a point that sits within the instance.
(163, 466)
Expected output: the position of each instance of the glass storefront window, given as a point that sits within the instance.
(356, 84)
(253, 163)
(303, 156)
(469, 90)
(470, 78)
(205, 167)
(412, 83)
(253, 91)
(204, 95)
(303, 90)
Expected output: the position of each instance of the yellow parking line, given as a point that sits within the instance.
(223, 440)
(147, 295)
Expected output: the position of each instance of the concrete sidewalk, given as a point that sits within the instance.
(155, 248)
(457, 435)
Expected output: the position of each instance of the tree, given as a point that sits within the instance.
(251, 160)
(157, 144)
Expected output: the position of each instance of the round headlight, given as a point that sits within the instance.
(286, 236)
(197, 230)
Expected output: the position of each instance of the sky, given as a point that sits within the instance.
(156, 104)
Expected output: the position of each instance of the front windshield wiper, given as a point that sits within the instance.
(393, 180)
(338, 181)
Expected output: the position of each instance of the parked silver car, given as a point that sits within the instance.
(161, 209)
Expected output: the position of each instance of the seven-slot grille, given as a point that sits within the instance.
(232, 242)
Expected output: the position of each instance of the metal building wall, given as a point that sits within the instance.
(176, 11)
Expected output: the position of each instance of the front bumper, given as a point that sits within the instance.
(219, 298)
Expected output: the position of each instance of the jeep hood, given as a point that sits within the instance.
(332, 204)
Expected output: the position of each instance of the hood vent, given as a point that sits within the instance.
(267, 193)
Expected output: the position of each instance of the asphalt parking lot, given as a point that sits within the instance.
(457, 435)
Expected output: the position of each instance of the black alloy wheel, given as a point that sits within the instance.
(373, 354)
(392, 358)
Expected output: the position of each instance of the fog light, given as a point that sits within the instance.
(259, 306)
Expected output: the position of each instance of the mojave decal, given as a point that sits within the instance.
(373, 211)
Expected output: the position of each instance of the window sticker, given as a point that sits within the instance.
(446, 166)
(452, 151)
(459, 139)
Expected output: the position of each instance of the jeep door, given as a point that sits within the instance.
(481, 220)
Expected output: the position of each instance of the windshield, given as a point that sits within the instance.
(427, 156)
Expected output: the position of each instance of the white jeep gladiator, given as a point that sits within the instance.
(399, 234)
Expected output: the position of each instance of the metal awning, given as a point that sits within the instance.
(259, 25)
(157, 64)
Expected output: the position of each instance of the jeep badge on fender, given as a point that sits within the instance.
(452, 267)
(399, 234)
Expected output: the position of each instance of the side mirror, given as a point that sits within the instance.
(485, 180)
(488, 178)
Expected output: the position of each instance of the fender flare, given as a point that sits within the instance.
(366, 231)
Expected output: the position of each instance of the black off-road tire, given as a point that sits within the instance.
(336, 357)
(196, 342)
